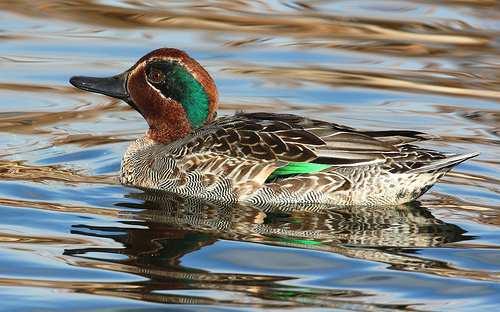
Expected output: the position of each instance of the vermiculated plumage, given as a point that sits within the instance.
(232, 158)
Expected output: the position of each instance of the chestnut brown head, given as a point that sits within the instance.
(172, 91)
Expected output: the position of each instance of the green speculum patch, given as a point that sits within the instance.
(181, 86)
(295, 168)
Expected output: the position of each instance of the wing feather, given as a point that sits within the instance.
(292, 138)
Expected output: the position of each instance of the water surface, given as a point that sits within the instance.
(71, 237)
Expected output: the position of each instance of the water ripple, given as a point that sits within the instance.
(71, 237)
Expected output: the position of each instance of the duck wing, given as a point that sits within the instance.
(292, 138)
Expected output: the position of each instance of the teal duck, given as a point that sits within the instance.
(258, 158)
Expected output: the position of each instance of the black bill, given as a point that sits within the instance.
(115, 86)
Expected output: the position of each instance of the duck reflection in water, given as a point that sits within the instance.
(161, 228)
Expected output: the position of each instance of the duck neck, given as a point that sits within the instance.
(168, 124)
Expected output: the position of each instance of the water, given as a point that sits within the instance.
(72, 238)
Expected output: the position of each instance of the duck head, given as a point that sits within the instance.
(172, 91)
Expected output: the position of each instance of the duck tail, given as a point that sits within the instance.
(444, 165)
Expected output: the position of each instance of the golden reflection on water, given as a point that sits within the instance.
(10, 170)
(411, 82)
(432, 65)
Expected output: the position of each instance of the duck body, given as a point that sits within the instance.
(263, 159)
(233, 159)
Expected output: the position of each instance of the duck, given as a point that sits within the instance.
(258, 158)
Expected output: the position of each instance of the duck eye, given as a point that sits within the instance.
(156, 76)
